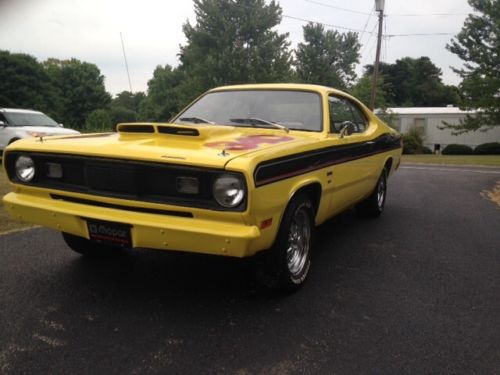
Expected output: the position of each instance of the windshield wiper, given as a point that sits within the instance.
(255, 121)
(196, 120)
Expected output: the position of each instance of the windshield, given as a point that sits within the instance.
(297, 110)
(29, 119)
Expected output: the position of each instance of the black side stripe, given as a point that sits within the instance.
(293, 165)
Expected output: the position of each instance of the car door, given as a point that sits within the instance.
(353, 173)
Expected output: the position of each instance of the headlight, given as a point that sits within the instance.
(25, 168)
(228, 190)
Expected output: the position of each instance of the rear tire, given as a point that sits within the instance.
(373, 206)
(88, 248)
(286, 265)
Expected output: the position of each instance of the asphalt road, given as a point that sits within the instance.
(416, 291)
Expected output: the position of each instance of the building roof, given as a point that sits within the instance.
(426, 111)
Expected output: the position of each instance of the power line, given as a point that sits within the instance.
(322, 23)
(365, 45)
(359, 31)
(419, 34)
(343, 27)
(366, 24)
(429, 15)
(392, 15)
(338, 8)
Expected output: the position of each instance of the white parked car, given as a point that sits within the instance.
(22, 123)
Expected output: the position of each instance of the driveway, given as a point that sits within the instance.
(416, 291)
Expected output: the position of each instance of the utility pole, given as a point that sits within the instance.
(379, 7)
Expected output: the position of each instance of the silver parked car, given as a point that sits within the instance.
(22, 123)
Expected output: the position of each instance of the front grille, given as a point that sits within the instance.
(125, 179)
(94, 203)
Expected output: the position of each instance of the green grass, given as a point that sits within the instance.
(6, 223)
(486, 160)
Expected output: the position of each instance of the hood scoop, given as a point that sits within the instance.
(176, 130)
(201, 131)
(135, 128)
(149, 128)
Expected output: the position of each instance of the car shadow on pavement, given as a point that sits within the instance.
(141, 275)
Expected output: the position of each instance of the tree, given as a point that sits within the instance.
(129, 100)
(415, 82)
(327, 57)
(98, 121)
(25, 84)
(164, 97)
(80, 87)
(478, 45)
(233, 41)
(362, 91)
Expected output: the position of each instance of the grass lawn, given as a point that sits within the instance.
(487, 160)
(6, 223)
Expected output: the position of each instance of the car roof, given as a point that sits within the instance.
(17, 110)
(279, 86)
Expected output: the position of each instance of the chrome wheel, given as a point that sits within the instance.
(381, 188)
(299, 239)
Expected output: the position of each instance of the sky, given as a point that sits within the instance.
(89, 30)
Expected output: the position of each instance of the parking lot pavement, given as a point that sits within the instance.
(416, 291)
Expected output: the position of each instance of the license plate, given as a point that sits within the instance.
(109, 233)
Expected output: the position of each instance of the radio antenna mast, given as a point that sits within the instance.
(126, 64)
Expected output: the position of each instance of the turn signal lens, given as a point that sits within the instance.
(188, 185)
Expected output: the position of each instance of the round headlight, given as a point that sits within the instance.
(25, 168)
(228, 190)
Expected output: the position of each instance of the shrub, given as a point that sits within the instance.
(454, 149)
(492, 148)
(122, 114)
(412, 142)
(98, 121)
(426, 150)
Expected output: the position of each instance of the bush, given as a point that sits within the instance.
(121, 114)
(492, 148)
(454, 149)
(98, 121)
(426, 150)
(412, 142)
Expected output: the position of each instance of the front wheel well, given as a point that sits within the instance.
(388, 165)
(313, 191)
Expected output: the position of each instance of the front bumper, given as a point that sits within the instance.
(148, 230)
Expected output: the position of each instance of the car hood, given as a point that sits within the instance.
(197, 145)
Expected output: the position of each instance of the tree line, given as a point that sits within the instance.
(234, 42)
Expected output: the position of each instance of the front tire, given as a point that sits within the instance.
(87, 248)
(373, 206)
(286, 265)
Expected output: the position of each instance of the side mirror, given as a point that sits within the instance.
(2, 124)
(347, 129)
(61, 125)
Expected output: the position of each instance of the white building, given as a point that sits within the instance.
(429, 119)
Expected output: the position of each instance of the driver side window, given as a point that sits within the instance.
(342, 110)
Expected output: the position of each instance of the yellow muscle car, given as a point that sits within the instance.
(243, 170)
